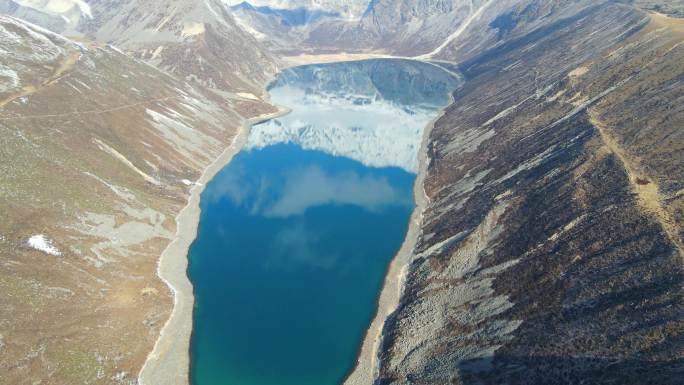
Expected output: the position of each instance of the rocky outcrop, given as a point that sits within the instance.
(551, 248)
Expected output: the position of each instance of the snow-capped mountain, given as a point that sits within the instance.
(446, 29)
(407, 28)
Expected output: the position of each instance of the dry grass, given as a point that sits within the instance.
(643, 185)
(61, 68)
(659, 20)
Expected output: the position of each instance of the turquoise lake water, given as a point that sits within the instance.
(296, 233)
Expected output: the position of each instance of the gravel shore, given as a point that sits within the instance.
(366, 366)
(169, 361)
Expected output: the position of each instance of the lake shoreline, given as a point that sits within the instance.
(366, 368)
(169, 361)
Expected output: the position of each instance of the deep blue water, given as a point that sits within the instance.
(296, 233)
(286, 277)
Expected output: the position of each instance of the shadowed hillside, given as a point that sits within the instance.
(551, 250)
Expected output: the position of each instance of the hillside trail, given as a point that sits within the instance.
(644, 186)
(63, 67)
(90, 112)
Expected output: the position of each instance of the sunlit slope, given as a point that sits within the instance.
(99, 152)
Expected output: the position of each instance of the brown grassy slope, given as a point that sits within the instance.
(94, 159)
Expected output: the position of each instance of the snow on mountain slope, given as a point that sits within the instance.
(493, 23)
(286, 24)
(549, 186)
(197, 40)
(400, 27)
(20, 66)
(453, 30)
(58, 15)
(57, 7)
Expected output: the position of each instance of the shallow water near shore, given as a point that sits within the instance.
(296, 233)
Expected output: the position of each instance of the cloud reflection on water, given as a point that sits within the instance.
(294, 191)
(294, 247)
(311, 186)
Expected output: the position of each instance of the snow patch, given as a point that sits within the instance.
(247, 95)
(42, 243)
(190, 183)
(157, 52)
(104, 147)
(248, 28)
(9, 80)
(163, 119)
(474, 15)
(120, 376)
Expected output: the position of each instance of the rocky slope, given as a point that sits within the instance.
(197, 41)
(398, 27)
(99, 152)
(443, 29)
(409, 28)
(404, 28)
(673, 8)
(551, 249)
